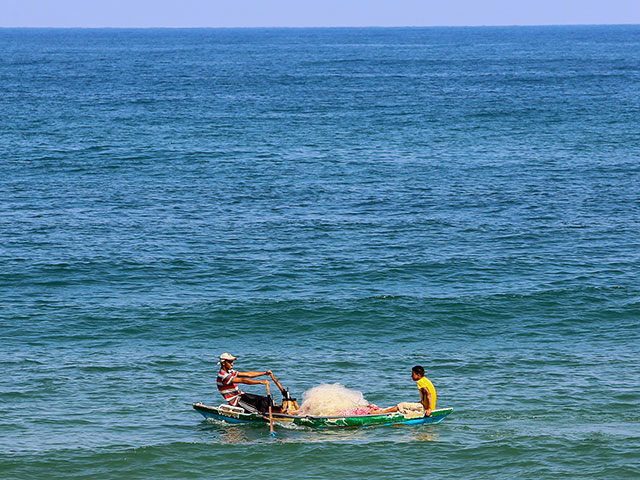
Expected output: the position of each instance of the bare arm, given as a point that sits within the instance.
(253, 374)
(425, 399)
(249, 381)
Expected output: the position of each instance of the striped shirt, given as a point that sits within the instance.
(227, 388)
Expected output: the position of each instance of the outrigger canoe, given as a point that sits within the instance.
(233, 414)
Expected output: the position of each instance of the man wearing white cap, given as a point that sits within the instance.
(228, 378)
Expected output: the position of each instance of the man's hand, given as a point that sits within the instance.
(268, 372)
(427, 412)
(264, 382)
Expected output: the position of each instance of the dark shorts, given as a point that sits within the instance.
(253, 403)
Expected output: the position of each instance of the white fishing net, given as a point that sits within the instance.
(329, 399)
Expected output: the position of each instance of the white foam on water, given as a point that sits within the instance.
(329, 399)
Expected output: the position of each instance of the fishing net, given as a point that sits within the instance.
(331, 399)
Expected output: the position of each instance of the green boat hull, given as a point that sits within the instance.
(228, 414)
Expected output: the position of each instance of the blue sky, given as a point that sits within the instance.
(313, 13)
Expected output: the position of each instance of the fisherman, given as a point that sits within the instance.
(228, 380)
(428, 396)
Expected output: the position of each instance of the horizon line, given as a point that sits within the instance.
(316, 27)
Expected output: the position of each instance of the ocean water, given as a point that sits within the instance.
(336, 205)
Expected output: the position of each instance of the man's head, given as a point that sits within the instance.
(226, 360)
(417, 372)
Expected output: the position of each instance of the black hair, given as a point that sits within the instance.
(418, 370)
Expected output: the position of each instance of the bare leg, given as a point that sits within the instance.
(385, 410)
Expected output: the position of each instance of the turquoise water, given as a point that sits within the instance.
(333, 204)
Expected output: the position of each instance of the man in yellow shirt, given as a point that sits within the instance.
(428, 396)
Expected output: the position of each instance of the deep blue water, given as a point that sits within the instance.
(336, 205)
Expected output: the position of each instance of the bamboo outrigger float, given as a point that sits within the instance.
(233, 414)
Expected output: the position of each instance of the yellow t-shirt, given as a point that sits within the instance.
(424, 382)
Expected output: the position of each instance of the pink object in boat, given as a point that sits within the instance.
(352, 412)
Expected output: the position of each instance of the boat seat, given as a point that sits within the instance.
(225, 407)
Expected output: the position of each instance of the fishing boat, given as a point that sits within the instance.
(231, 414)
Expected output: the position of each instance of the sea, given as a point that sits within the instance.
(336, 205)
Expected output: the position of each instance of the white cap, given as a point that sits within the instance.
(226, 356)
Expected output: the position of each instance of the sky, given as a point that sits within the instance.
(313, 13)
